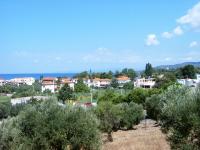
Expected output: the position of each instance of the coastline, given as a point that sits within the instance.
(35, 75)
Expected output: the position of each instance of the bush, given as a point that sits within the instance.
(111, 96)
(128, 86)
(8, 88)
(65, 93)
(178, 113)
(15, 109)
(153, 107)
(50, 126)
(118, 116)
(137, 95)
(80, 86)
(5, 106)
(131, 115)
(109, 116)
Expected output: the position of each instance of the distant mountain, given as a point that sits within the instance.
(195, 64)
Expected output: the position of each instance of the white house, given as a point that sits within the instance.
(68, 81)
(2, 82)
(190, 82)
(49, 83)
(21, 81)
(145, 83)
(101, 83)
(122, 80)
(87, 82)
(198, 78)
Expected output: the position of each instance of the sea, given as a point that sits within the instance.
(36, 75)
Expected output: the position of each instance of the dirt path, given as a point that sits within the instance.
(149, 138)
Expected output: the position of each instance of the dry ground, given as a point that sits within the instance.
(149, 138)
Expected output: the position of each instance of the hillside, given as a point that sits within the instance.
(175, 66)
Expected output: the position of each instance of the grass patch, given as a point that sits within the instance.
(4, 99)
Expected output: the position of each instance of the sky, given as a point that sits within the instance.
(46, 36)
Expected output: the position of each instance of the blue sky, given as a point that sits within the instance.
(76, 35)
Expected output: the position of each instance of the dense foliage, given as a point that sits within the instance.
(5, 107)
(129, 73)
(148, 70)
(114, 83)
(137, 95)
(80, 86)
(131, 114)
(8, 89)
(188, 71)
(118, 116)
(111, 96)
(50, 126)
(109, 75)
(128, 86)
(165, 80)
(21, 90)
(9, 110)
(65, 93)
(177, 110)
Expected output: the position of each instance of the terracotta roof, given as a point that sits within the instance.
(48, 83)
(66, 80)
(101, 80)
(48, 79)
(123, 78)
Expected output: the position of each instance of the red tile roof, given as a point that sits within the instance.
(48, 79)
(123, 78)
(101, 80)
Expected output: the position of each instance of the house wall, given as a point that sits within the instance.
(50, 87)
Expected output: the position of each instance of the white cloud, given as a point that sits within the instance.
(152, 40)
(193, 44)
(178, 30)
(192, 17)
(167, 35)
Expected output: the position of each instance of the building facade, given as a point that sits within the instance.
(22, 81)
(145, 83)
(49, 83)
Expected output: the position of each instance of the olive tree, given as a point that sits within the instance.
(50, 126)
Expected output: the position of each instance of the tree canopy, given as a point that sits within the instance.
(65, 93)
(148, 70)
(81, 87)
(50, 126)
(188, 71)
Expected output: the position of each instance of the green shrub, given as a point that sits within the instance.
(137, 95)
(180, 116)
(5, 106)
(111, 96)
(109, 116)
(153, 107)
(15, 109)
(118, 116)
(80, 86)
(131, 114)
(50, 126)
